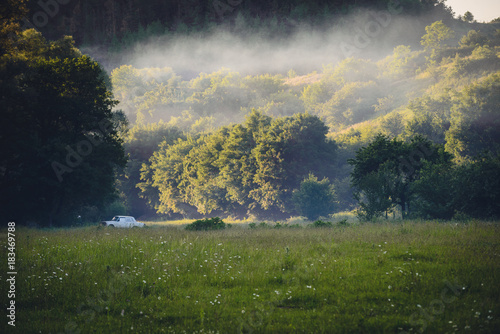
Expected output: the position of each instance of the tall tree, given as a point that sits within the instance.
(59, 142)
(384, 170)
(468, 17)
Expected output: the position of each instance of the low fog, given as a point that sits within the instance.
(367, 34)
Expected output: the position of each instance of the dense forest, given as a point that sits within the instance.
(123, 22)
(411, 130)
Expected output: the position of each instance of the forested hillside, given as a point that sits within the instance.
(318, 107)
(444, 92)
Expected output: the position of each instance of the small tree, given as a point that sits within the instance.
(468, 17)
(474, 38)
(434, 39)
(314, 198)
(435, 36)
(375, 198)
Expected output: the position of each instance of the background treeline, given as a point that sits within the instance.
(121, 23)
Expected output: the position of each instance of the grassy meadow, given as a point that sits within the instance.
(390, 277)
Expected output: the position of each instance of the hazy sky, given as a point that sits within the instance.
(483, 10)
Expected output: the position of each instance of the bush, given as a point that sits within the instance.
(320, 223)
(261, 225)
(277, 225)
(314, 198)
(323, 224)
(207, 224)
(343, 222)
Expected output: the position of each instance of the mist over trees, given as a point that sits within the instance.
(406, 126)
(423, 97)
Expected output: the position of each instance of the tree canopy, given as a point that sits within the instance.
(384, 170)
(249, 168)
(58, 135)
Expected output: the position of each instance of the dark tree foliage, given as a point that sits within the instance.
(472, 190)
(434, 193)
(477, 187)
(97, 21)
(11, 14)
(58, 140)
(384, 171)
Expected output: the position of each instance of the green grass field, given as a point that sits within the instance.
(365, 278)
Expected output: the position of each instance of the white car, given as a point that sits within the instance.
(122, 221)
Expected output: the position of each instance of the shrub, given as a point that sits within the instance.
(314, 198)
(343, 222)
(320, 223)
(279, 225)
(207, 224)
